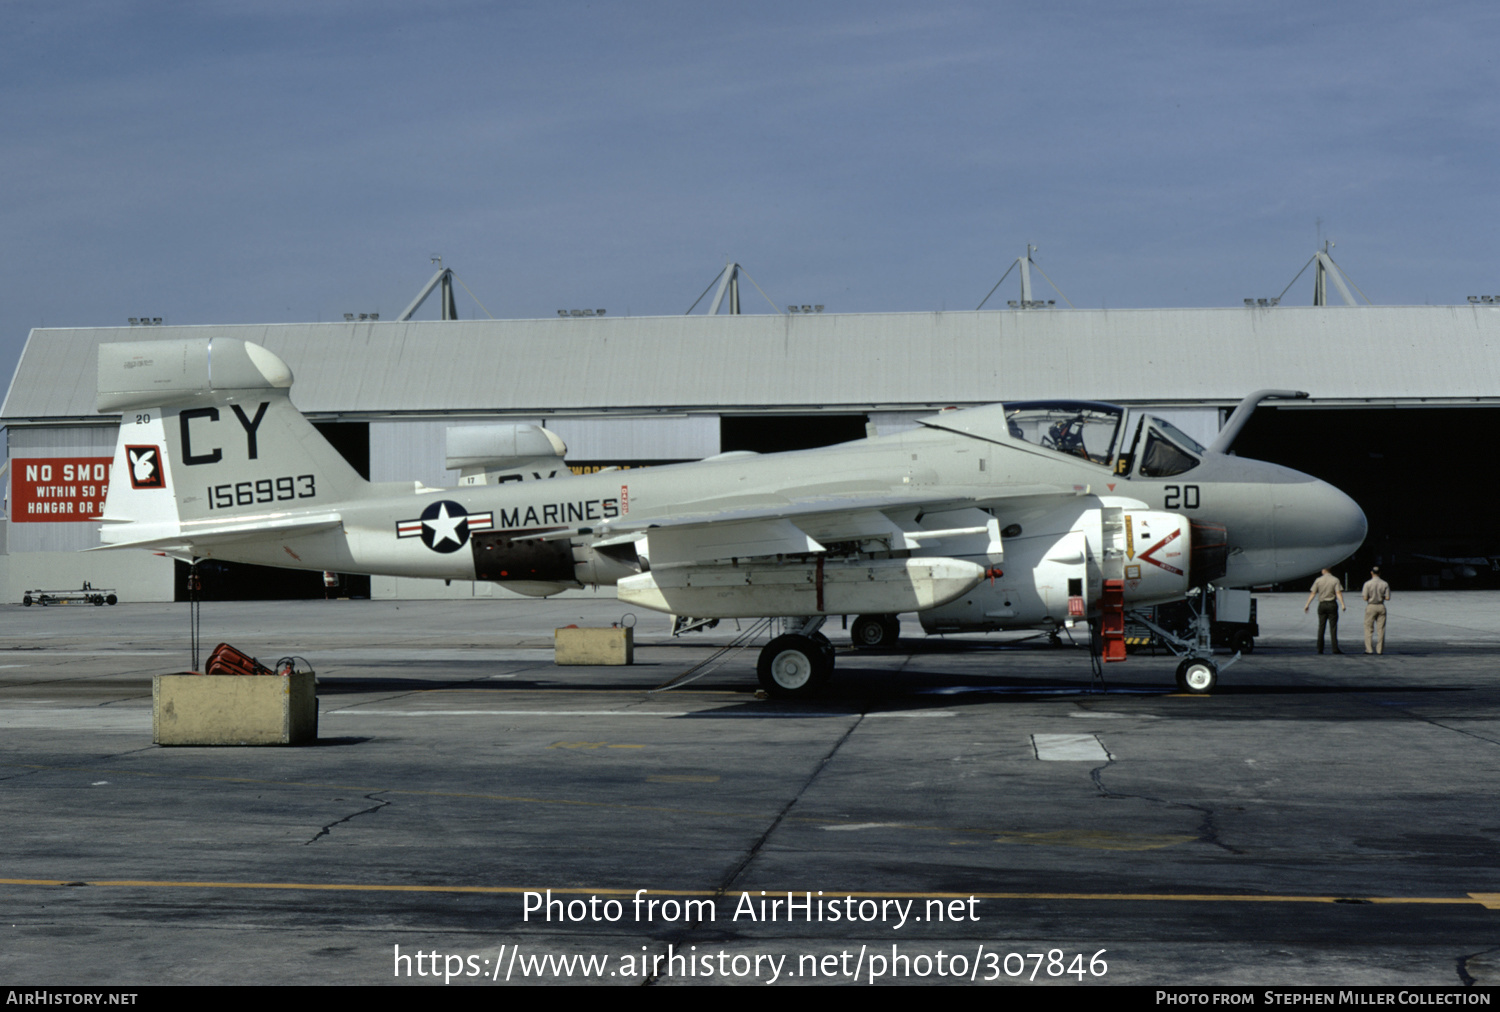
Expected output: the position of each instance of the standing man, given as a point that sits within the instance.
(1376, 593)
(1330, 597)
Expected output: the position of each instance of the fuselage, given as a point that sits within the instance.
(1280, 524)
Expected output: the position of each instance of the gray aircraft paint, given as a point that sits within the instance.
(244, 477)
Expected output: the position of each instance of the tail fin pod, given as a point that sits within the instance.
(208, 433)
(153, 374)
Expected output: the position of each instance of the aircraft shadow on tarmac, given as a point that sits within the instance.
(856, 689)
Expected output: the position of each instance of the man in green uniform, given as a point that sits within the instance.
(1330, 597)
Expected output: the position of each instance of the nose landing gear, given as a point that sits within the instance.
(1198, 674)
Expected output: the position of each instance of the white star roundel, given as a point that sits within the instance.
(444, 526)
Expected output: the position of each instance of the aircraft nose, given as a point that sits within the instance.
(1318, 525)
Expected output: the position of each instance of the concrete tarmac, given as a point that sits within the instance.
(952, 810)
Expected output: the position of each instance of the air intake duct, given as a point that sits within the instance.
(1210, 556)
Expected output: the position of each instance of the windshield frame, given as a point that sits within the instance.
(1157, 428)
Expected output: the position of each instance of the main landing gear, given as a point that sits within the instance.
(875, 631)
(797, 664)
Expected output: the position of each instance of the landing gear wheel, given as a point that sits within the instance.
(1197, 676)
(875, 631)
(794, 667)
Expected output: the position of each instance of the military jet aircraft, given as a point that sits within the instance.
(1165, 468)
(215, 462)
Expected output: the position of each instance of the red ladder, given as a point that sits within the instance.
(1112, 620)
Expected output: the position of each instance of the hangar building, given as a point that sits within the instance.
(1402, 413)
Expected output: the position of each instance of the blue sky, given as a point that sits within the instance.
(275, 161)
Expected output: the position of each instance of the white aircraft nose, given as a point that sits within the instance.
(1317, 525)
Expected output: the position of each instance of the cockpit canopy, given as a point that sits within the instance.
(1090, 430)
(1086, 429)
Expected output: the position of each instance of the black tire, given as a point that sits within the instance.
(869, 631)
(26, 600)
(97, 600)
(1197, 676)
(1243, 642)
(826, 645)
(111, 599)
(794, 667)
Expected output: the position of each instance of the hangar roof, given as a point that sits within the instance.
(888, 361)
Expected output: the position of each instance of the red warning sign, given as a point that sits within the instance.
(58, 489)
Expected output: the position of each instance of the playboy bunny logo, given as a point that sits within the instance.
(145, 467)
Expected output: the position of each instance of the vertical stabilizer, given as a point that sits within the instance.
(208, 435)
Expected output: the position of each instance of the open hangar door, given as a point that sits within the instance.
(238, 581)
(1419, 473)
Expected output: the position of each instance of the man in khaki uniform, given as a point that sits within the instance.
(1376, 593)
(1327, 590)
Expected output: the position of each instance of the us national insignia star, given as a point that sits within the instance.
(444, 526)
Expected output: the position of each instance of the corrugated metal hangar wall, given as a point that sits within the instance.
(643, 390)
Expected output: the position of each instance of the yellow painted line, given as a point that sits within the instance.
(1490, 901)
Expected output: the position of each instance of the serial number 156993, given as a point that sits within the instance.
(249, 493)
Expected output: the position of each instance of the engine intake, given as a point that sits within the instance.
(1210, 554)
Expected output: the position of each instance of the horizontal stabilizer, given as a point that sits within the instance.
(195, 535)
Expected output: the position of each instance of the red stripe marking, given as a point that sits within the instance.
(1146, 555)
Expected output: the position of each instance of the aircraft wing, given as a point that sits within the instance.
(788, 525)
